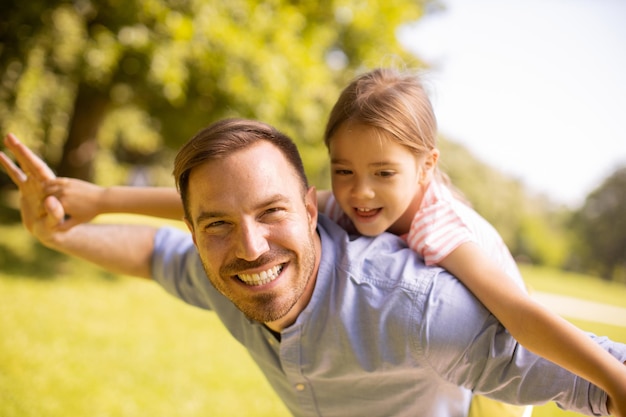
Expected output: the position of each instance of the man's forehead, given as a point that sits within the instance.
(253, 172)
(260, 154)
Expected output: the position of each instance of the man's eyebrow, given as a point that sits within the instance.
(205, 215)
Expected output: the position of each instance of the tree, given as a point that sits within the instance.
(116, 80)
(505, 202)
(601, 227)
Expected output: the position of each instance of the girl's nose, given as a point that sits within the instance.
(362, 189)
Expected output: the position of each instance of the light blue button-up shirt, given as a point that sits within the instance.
(383, 335)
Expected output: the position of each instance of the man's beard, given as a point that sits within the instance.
(272, 305)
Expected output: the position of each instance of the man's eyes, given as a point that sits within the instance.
(270, 213)
(214, 225)
(274, 213)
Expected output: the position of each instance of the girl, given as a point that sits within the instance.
(381, 137)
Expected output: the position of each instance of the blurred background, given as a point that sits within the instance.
(108, 90)
(530, 96)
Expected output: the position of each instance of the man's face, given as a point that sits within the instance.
(255, 232)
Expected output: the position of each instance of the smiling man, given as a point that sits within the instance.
(339, 326)
(254, 247)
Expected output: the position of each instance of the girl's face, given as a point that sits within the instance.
(377, 182)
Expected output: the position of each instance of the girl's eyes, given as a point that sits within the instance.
(343, 172)
(382, 173)
(386, 173)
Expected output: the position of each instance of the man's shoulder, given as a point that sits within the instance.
(385, 260)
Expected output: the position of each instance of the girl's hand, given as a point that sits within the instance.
(81, 200)
(617, 403)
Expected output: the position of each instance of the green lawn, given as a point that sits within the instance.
(80, 342)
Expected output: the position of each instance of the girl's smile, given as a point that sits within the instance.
(376, 181)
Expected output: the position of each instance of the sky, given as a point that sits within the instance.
(534, 88)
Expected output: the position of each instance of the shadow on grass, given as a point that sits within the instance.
(9, 215)
(41, 263)
(22, 256)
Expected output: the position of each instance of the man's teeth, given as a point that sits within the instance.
(262, 277)
(364, 210)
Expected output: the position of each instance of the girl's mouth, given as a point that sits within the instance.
(366, 212)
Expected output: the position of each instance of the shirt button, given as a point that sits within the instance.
(300, 387)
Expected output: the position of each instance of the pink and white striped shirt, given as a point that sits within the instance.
(441, 225)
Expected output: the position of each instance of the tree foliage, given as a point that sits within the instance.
(101, 86)
(530, 225)
(600, 226)
(117, 80)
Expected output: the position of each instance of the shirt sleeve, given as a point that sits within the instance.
(467, 346)
(177, 268)
(436, 231)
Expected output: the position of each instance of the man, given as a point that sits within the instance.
(339, 327)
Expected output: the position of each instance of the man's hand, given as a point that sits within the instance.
(42, 215)
(124, 249)
(80, 199)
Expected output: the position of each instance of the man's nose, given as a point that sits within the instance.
(252, 241)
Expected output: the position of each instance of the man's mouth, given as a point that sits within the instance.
(263, 277)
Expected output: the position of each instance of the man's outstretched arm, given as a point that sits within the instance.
(125, 249)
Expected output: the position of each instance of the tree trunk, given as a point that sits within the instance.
(90, 107)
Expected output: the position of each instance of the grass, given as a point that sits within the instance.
(574, 285)
(579, 286)
(77, 341)
(100, 345)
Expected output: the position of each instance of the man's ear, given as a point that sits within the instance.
(190, 227)
(310, 201)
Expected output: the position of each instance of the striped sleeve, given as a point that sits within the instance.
(436, 231)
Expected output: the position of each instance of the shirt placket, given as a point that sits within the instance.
(291, 360)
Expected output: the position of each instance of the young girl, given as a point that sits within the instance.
(381, 137)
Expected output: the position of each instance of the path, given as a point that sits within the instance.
(575, 308)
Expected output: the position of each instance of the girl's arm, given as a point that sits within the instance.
(535, 327)
(83, 201)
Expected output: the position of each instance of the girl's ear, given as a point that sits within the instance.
(428, 165)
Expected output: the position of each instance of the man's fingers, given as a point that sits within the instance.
(31, 164)
(55, 186)
(54, 208)
(16, 174)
